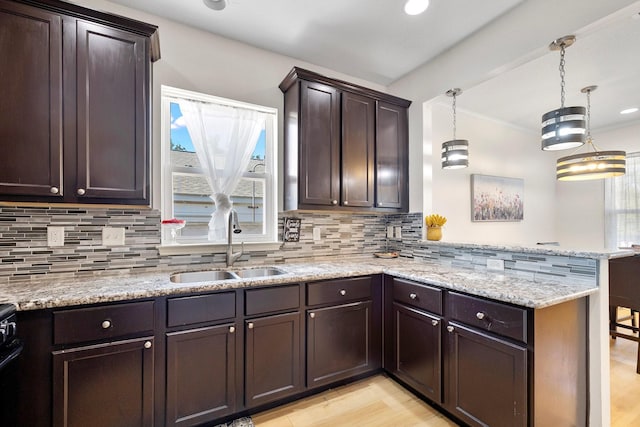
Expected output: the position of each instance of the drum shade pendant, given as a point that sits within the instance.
(563, 128)
(455, 153)
(595, 164)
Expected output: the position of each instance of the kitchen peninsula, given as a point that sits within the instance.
(537, 324)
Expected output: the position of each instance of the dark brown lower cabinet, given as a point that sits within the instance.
(339, 342)
(418, 350)
(200, 375)
(487, 378)
(272, 358)
(104, 385)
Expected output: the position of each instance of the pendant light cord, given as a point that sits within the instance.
(562, 84)
(454, 116)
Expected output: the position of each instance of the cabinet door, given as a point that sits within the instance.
(338, 342)
(31, 107)
(358, 145)
(200, 375)
(112, 149)
(487, 379)
(319, 145)
(272, 355)
(104, 385)
(392, 157)
(417, 350)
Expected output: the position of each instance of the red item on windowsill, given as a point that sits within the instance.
(173, 221)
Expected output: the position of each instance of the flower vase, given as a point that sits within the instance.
(434, 233)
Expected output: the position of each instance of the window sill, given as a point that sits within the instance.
(205, 248)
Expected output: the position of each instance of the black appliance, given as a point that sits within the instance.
(10, 344)
(10, 349)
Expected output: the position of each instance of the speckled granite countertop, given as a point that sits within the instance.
(67, 292)
(542, 249)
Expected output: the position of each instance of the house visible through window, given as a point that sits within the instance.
(622, 206)
(186, 191)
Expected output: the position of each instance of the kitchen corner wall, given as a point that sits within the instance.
(496, 149)
(24, 254)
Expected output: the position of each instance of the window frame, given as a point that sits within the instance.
(269, 175)
(612, 213)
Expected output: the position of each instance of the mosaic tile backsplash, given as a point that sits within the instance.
(24, 254)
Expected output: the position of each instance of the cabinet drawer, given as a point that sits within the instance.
(338, 291)
(417, 295)
(101, 323)
(201, 308)
(266, 300)
(490, 316)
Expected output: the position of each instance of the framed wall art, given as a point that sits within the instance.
(496, 198)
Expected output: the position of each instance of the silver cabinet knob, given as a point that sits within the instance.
(250, 325)
(343, 292)
(106, 324)
(147, 344)
(380, 204)
(345, 203)
(334, 202)
(434, 322)
(54, 190)
(81, 191)
(480, 315)
(413, 296)
(312, 315)
(232, 329)
(450, 328)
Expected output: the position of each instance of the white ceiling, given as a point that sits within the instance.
(378, 42)
(606, 54)
(370, 39)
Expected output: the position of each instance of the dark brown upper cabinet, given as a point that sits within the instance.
(75, 121)
(345, 146)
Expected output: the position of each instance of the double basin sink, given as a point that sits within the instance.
(211, 275)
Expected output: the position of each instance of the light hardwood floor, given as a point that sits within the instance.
(380, 402)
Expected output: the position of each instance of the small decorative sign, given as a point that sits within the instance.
(291, 230)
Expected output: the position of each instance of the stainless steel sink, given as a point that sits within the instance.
(259, 272)
(202, 276)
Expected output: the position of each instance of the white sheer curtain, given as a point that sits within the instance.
(622, 206)
(224, 138)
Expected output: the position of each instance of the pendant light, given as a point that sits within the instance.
(595, 164)
(455, 153)
(563, 128)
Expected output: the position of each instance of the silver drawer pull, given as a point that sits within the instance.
(80, 191)
(54, 190)
(106, 324)
(232, 329)
(343, 292)
(346, 203)
(147, 344)
(312, 315)
(250, 325)
(413, 296)
(450, 328)
(334, 202)
(434, 322)
(480, 315)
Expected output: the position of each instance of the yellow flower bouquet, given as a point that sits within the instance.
(434, 223)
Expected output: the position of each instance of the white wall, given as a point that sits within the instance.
(199, 61)
(580, 204)
(494, 149)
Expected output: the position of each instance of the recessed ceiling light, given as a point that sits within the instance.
(629, 110)
(415, 7)
(215, 4)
